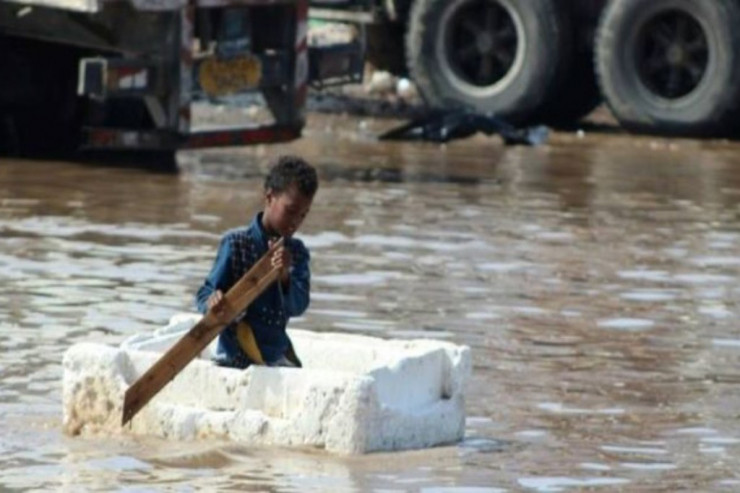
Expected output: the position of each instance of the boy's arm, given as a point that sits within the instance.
(218, 278)
(296, 294)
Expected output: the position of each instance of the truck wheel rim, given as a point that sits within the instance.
(482, 45)
(672, 54)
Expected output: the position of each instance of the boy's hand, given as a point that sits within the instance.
(216, 303)
(282, 260)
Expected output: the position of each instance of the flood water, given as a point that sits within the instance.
(596, 281)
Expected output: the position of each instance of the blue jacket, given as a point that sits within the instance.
(268, 315)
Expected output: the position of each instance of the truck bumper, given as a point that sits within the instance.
(98, 138)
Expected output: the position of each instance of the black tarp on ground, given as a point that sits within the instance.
(450, 125)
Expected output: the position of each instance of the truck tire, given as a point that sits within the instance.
(575, 96)
(490, 56)
(670, 66)
(576, 93)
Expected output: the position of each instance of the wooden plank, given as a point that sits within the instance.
(236, 300)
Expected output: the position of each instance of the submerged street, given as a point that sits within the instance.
(596, 280)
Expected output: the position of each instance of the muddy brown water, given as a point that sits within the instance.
(595, 279)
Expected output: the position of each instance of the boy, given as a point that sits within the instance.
(258, 336)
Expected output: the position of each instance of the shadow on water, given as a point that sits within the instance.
(161, 162)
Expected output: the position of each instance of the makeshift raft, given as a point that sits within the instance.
(355, 394)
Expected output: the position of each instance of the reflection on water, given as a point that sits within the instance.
(596, 281)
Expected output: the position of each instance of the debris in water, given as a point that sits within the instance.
(446, 126)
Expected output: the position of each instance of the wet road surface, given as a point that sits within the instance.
(595, 279)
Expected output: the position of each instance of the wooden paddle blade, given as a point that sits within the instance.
(236, 300)
(169, 365)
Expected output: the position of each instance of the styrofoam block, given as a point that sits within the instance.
(355, 394)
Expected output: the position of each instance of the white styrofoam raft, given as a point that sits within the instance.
(355, 394)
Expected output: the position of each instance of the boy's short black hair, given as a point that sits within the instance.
(287, 170)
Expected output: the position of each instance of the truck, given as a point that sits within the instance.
(667, 67)
(123, 75)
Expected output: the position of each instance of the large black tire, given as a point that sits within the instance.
(490, 56)
(576, 93)
(671, 66)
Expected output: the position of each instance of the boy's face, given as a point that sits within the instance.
(284, 212)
